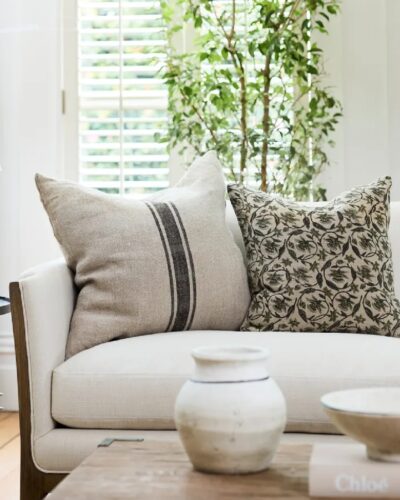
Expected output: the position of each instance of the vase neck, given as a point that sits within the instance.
(239, 364)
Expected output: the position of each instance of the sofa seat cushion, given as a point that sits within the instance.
(132, 383)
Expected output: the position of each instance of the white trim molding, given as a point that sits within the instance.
(8, 372)
(6, 343)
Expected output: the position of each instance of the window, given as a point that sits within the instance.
(121, 101)
(116, 100)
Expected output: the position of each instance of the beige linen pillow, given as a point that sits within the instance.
(166, 264)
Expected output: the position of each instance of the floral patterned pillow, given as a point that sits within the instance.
(325, 268)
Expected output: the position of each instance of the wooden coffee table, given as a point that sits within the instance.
(157, 470)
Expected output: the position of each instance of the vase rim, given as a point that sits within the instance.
(229, 353)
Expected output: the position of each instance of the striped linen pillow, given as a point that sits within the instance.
(167, 263)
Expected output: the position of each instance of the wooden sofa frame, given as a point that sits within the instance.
(34, 483)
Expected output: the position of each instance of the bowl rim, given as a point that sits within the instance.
(336, 409)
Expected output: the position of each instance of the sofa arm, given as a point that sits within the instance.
(42, 302)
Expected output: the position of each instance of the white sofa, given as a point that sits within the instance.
(118, 388)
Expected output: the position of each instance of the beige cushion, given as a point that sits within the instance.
(166, 264)
(133, 383)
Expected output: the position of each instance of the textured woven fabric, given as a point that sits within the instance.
(322, 268)
(133, 383)
(165, 264)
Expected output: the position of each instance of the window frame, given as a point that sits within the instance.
(70, 99)
(69, 92)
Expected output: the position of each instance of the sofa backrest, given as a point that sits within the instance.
(394, 232)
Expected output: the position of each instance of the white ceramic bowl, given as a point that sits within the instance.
(371, 416)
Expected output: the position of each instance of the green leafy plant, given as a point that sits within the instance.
(251, 89)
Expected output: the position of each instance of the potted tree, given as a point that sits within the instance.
(251, 88)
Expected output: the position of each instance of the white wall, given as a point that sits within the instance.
(29, 143)
(362, 59)
(393, 86)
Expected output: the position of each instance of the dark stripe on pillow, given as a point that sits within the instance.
(177, 248)
(181, 267)
(169, 265)
(193, 274)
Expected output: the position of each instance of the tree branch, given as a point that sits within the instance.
(241, 72)
(265, 121)
(233, 18)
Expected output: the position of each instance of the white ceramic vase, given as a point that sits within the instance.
(231, 414)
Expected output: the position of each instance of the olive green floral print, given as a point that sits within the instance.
(319, 268)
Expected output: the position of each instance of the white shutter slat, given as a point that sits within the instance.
(128, 184)
(127, 119)
(154, 56)
(125, 145)
(127, 81)
(122, 99)
(137, 171)
(96, 32)
(127, 158)
(139, 94)
(116, 44)
(127, 133)
(139, 103)
(115, 69)
(114, 4)
(107, 71)
(115, 18)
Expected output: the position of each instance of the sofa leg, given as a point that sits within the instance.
(34, 484)
(30, 480)
(30, 484)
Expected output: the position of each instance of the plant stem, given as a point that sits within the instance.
(266, 96)
(265, 121)
(243, 96)
(233, 18)
(243, 126)
(241, 72)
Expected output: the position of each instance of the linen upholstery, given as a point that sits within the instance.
(48, 298)
(165, 264)
(324, 268)
(150, 370)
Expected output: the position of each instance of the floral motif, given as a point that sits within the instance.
(319, 268)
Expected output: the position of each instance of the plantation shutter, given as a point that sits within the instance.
(122, 100)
